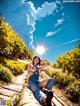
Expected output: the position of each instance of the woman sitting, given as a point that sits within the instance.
(44, 96)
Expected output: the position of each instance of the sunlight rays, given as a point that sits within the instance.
(40, 49)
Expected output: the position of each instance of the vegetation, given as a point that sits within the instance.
(30, 54)
(62, 79)
(46, 61)
(67, 82)
(5, 74)
(69, 78)
(10, 43)
(73, 91)
(70, 61)
(11, 47)
(15, 67)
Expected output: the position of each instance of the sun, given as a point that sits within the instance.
(40, 49)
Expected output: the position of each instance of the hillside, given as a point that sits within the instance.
(12, 48)
(66, 72)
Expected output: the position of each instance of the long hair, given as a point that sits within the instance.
(34, 59)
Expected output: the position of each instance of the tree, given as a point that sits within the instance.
(70, 61)
(31, 54)
(10, 43)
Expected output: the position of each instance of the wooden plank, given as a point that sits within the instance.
(7, 92)
(13, 87)
(20, 80)
(11, 92)
(27, 98)
(58, 99)
(6, 101)
(57, 103)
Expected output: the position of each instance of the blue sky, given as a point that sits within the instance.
(51, 23)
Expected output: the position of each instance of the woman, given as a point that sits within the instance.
(34, 84)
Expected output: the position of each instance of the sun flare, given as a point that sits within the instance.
(40, 49)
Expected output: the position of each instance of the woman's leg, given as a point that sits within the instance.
(43, 83)
(48, 83)
(39, 95)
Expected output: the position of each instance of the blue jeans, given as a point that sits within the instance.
(37, 91)
(50, 83)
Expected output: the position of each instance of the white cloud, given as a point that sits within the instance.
(52, 33)
(59, 22)
(32, 14)
(31, 44)
(23, 15)
(35, 14)
(46, 9)
(58, 2)
(29, 12)
(63, 14)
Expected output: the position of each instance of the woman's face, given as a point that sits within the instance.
(36, 61)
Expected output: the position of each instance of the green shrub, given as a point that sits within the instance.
(2, 59)
(67, 79)
(68, 82)
(15, 66)
(73, 91)
(5, 74)
(10, 42)
(56, 75)
(62, 79)
(49, 72)
(70, 61)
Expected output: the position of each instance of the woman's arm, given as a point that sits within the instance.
(31, 68)
(41, 68)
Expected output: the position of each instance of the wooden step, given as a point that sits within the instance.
(6, 101)
(27, 98)
(13, 87)
(10, 92)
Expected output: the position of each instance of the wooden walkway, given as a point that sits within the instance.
(10, 93)
(18, 94)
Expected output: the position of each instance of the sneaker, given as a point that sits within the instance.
(44, 103)
(47, 92)
(49, 98)
(49, 95)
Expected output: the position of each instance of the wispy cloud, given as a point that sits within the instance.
(74, 40)
(59, 22)
(66, 43)
(52, 33)
(36, 14)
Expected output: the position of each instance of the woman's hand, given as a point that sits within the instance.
(41, 68)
